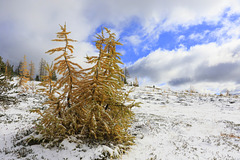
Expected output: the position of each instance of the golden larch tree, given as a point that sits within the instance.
(65, 67)
(57, 121)
(24, 73)
(101, 95)
(135, 83)
(47, 83)
(31, 71)
(6, 70)
(89, 102)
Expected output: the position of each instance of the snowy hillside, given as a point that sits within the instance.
(168, 125)
(183, 125)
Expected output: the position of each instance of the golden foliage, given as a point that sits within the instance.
(24, 74)
(57, 118)
(230, 135)
(47, 82)
(31, 71)
(6, 70)
(90, 102)
(65, 67)
(100, 93)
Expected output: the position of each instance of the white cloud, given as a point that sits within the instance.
(82, 50)
(134, 40)
(180, 38)
(201, 63)
(27, 27)
(198, 36)
(229, 30)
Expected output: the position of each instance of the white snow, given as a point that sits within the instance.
(185, 126)
(168, 125)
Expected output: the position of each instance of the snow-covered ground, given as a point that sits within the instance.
(168, 125)
(182, 125)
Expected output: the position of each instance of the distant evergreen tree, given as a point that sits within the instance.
(42, 68)
(5, 76)
(18, 69)
(3, 81)
(2, 66)
(227, 93)
(126, 75)
(10, 72)
(31, 71)
(135, 83)
(37, 78)
(7, 67)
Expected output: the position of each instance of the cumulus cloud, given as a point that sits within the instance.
(198, 36)
(134, 40)
(26, 22)
(179, 81)
(180, 38)
(201, 63)
(27, 27)
(222, 72)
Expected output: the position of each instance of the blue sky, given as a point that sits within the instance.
(176, 43)
(137, 44)
(167, 40)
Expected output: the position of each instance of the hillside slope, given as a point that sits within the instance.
(168, 125)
